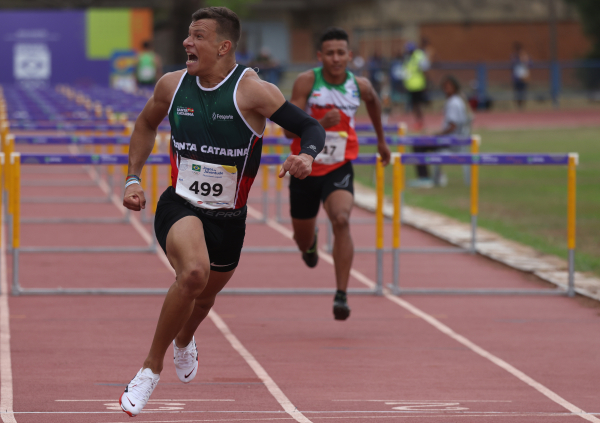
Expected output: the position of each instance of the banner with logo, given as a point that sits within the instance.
(66, 46)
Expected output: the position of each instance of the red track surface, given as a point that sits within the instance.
(71, 356)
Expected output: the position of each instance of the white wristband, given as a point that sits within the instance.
(135, 181)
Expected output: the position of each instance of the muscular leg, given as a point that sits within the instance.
(203, 304)
(304, 232)
(338, 206)
(188, 255)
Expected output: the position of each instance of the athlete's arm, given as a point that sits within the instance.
(371, 99)
(258, 100)
(144, 134)
(300, 92)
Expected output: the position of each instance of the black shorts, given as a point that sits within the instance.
(417, 97)
(224, 230)
(307, 194)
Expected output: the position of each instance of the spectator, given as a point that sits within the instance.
(397, 77)
(269, 69)
(148, 67)
(376, 73)
(415, 82)
(520, 64)
(457, 122)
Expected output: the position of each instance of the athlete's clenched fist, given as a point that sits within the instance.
(134, 198)
(299, 166)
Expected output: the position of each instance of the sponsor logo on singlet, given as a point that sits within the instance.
(185, 111)
(217, 116)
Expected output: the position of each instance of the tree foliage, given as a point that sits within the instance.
(589, 10)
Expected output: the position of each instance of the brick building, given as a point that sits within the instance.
(460, 30)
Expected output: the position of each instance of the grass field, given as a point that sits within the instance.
(525, 204)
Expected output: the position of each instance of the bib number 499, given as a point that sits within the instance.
(207, 189)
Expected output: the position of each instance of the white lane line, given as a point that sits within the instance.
(6, 383)
(262, 374)
(449, 332)
(277, 393)
(150, 400)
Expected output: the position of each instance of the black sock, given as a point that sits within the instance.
(340, 294)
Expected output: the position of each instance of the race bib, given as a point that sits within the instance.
(335, 148)
(207, 185)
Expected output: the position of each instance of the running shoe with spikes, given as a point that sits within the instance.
(138, 391)
(311, 256)
(341, 311)
(186, 361)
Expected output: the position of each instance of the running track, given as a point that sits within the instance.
(417, 359)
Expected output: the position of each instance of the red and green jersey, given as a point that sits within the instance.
(323, 97)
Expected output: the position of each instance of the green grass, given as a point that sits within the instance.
(527, 204)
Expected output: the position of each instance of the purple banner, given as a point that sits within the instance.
(47, 47)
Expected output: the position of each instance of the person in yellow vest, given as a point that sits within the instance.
(149, 66)
(416, 63)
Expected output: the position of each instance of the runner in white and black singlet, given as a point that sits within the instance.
(332, 94)
(217, 110)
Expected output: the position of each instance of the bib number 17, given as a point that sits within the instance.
(207, 189)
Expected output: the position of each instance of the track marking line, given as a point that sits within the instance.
(420, 401)
(262, 374)
(150, 400)
(447, 331)
(277, 393)
(6, 380)
(427, 416)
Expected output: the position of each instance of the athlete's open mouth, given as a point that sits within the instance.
(192, 58)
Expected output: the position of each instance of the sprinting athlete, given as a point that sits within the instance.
(217, 110)
(332, 94)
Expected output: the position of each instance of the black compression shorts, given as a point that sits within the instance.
(224, 230)
(307, 194)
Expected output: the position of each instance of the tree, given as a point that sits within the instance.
(589, 11)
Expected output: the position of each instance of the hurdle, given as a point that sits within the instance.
(76, 141)
(569, 160)
(20, 159)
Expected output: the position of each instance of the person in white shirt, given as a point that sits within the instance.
(457, 122)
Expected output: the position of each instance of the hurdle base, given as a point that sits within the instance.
(163, 291)
(68, 220)
(147, 249)
(483, 291)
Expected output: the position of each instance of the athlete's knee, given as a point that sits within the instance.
(340, 222)
(193, 279)
(304, 240)
(205, 303)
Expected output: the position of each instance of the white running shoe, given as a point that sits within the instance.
(186, 361)
(138, 391)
